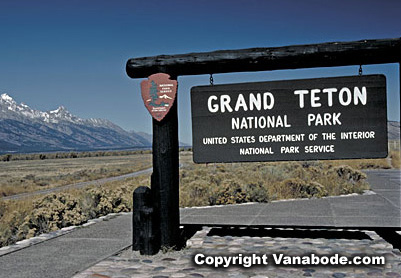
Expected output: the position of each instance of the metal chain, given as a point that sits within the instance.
(211, 79)
(360, 70)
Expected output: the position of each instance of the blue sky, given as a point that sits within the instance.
(73, 53)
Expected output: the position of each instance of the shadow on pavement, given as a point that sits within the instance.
(391, 236)
(286, 233)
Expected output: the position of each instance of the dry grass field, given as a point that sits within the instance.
(263, 182)
(199, 185)
(395, 159)
(30, 175)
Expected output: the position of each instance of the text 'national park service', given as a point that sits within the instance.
(326, 118)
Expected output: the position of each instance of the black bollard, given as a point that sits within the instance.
(144, 232)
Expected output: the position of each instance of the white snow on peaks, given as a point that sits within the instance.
(22, 110)
(9, 109)
(7, 102)
(54, 111)
(6, 98)
(59, 110)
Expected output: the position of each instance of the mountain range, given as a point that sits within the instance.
(23, 129)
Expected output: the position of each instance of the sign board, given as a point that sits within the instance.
(158, 94)
(310, 119)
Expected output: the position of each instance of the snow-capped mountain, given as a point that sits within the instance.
(24, 129)
(9, 109)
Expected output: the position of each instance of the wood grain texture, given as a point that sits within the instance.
(273, 58)
(165, 177)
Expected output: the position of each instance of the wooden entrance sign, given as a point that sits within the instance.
(165, 131)
(306, 119)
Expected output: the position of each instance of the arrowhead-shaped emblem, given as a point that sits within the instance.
(158, 94)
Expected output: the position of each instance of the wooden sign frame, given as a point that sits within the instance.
(165, 133)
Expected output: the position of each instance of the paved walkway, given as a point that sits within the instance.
(66, 255)
(73, 252)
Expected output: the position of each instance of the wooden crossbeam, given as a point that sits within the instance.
(330, 54)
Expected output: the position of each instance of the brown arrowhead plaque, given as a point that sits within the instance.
(158, 94)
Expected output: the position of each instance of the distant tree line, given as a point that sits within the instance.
(59, 155)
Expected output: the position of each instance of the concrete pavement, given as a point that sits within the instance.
(66, 255)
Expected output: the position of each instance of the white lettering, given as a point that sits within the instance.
(266, 105)
(241, 103)
(281, 138)
(301, 94)
(260, 122)
(362, 96)
(291, 149)
(255, 102)
(341, 96)
(319, 149)
(225, 103)
(325, 119)
(330, 92)
(198, 258)
(357, 135)
(213, 108)
(314, 98)
(345, 96)
(243, 139)
(255, 151)
(214, 140)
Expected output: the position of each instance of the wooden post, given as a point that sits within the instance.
(164, 182)
(145, 237)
